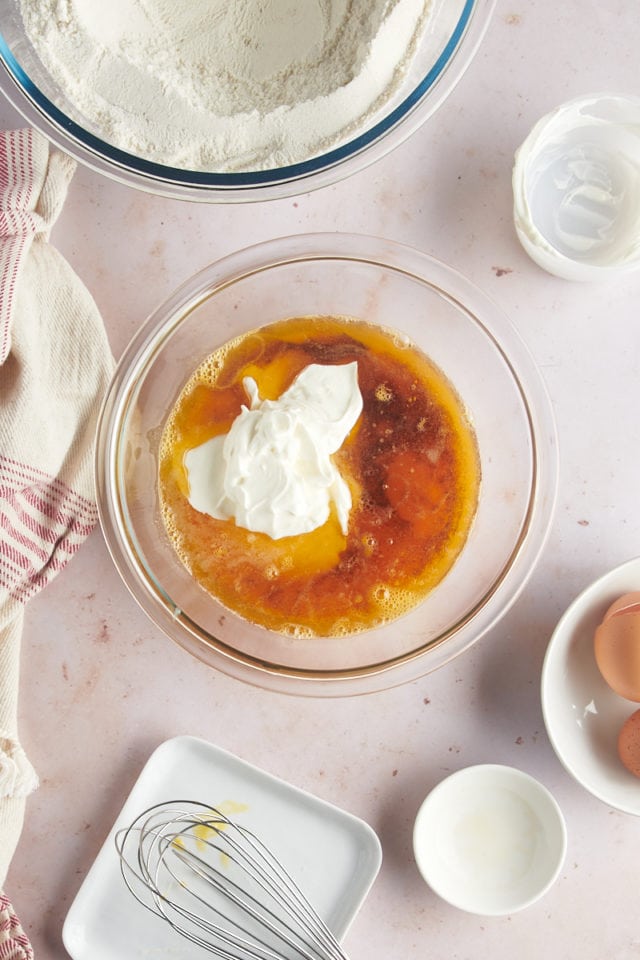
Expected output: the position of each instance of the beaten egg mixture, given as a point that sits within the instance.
(411, 464)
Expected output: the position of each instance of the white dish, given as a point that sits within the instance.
(333, 855)
(489, 839)
(576, 189)
(583, 716)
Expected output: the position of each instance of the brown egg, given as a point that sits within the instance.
(617, 647)
(628, 602)
(629, 743)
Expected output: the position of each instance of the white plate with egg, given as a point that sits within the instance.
(582, 713)
(332, 855)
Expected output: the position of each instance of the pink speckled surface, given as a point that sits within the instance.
(101, 688)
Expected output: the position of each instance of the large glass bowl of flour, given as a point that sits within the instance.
(383, 284)
(225, 101)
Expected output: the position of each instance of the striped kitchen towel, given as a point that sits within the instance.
(14, 943)
(55, 364)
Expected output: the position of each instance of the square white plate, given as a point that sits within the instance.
(333, 855)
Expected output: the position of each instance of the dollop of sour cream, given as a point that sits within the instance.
(273, 472)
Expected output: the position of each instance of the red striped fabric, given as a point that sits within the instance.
(42, 524)
(42, 521)
(19, 190)
(14, 943)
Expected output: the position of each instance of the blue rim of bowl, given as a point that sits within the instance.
(257, 178)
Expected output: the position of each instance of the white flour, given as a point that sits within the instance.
(225, 85)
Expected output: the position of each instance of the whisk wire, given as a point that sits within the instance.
(257, 863)
(271, 876)
(270, 919)
(156, 851)
(248, 904)
(225, 946)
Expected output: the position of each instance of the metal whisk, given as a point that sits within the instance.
(218, 885)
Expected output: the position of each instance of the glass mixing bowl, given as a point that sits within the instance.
(459, 328)
(455, 30)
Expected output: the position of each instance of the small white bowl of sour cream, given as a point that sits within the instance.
(576, 189)
(490, 839)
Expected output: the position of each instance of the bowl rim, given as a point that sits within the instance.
(452, 285)
(545, 132)
(460, 783)
(596, 596)
(322, 170)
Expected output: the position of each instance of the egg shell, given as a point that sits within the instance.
(629, 744)
(617, 652)
(626, 603)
